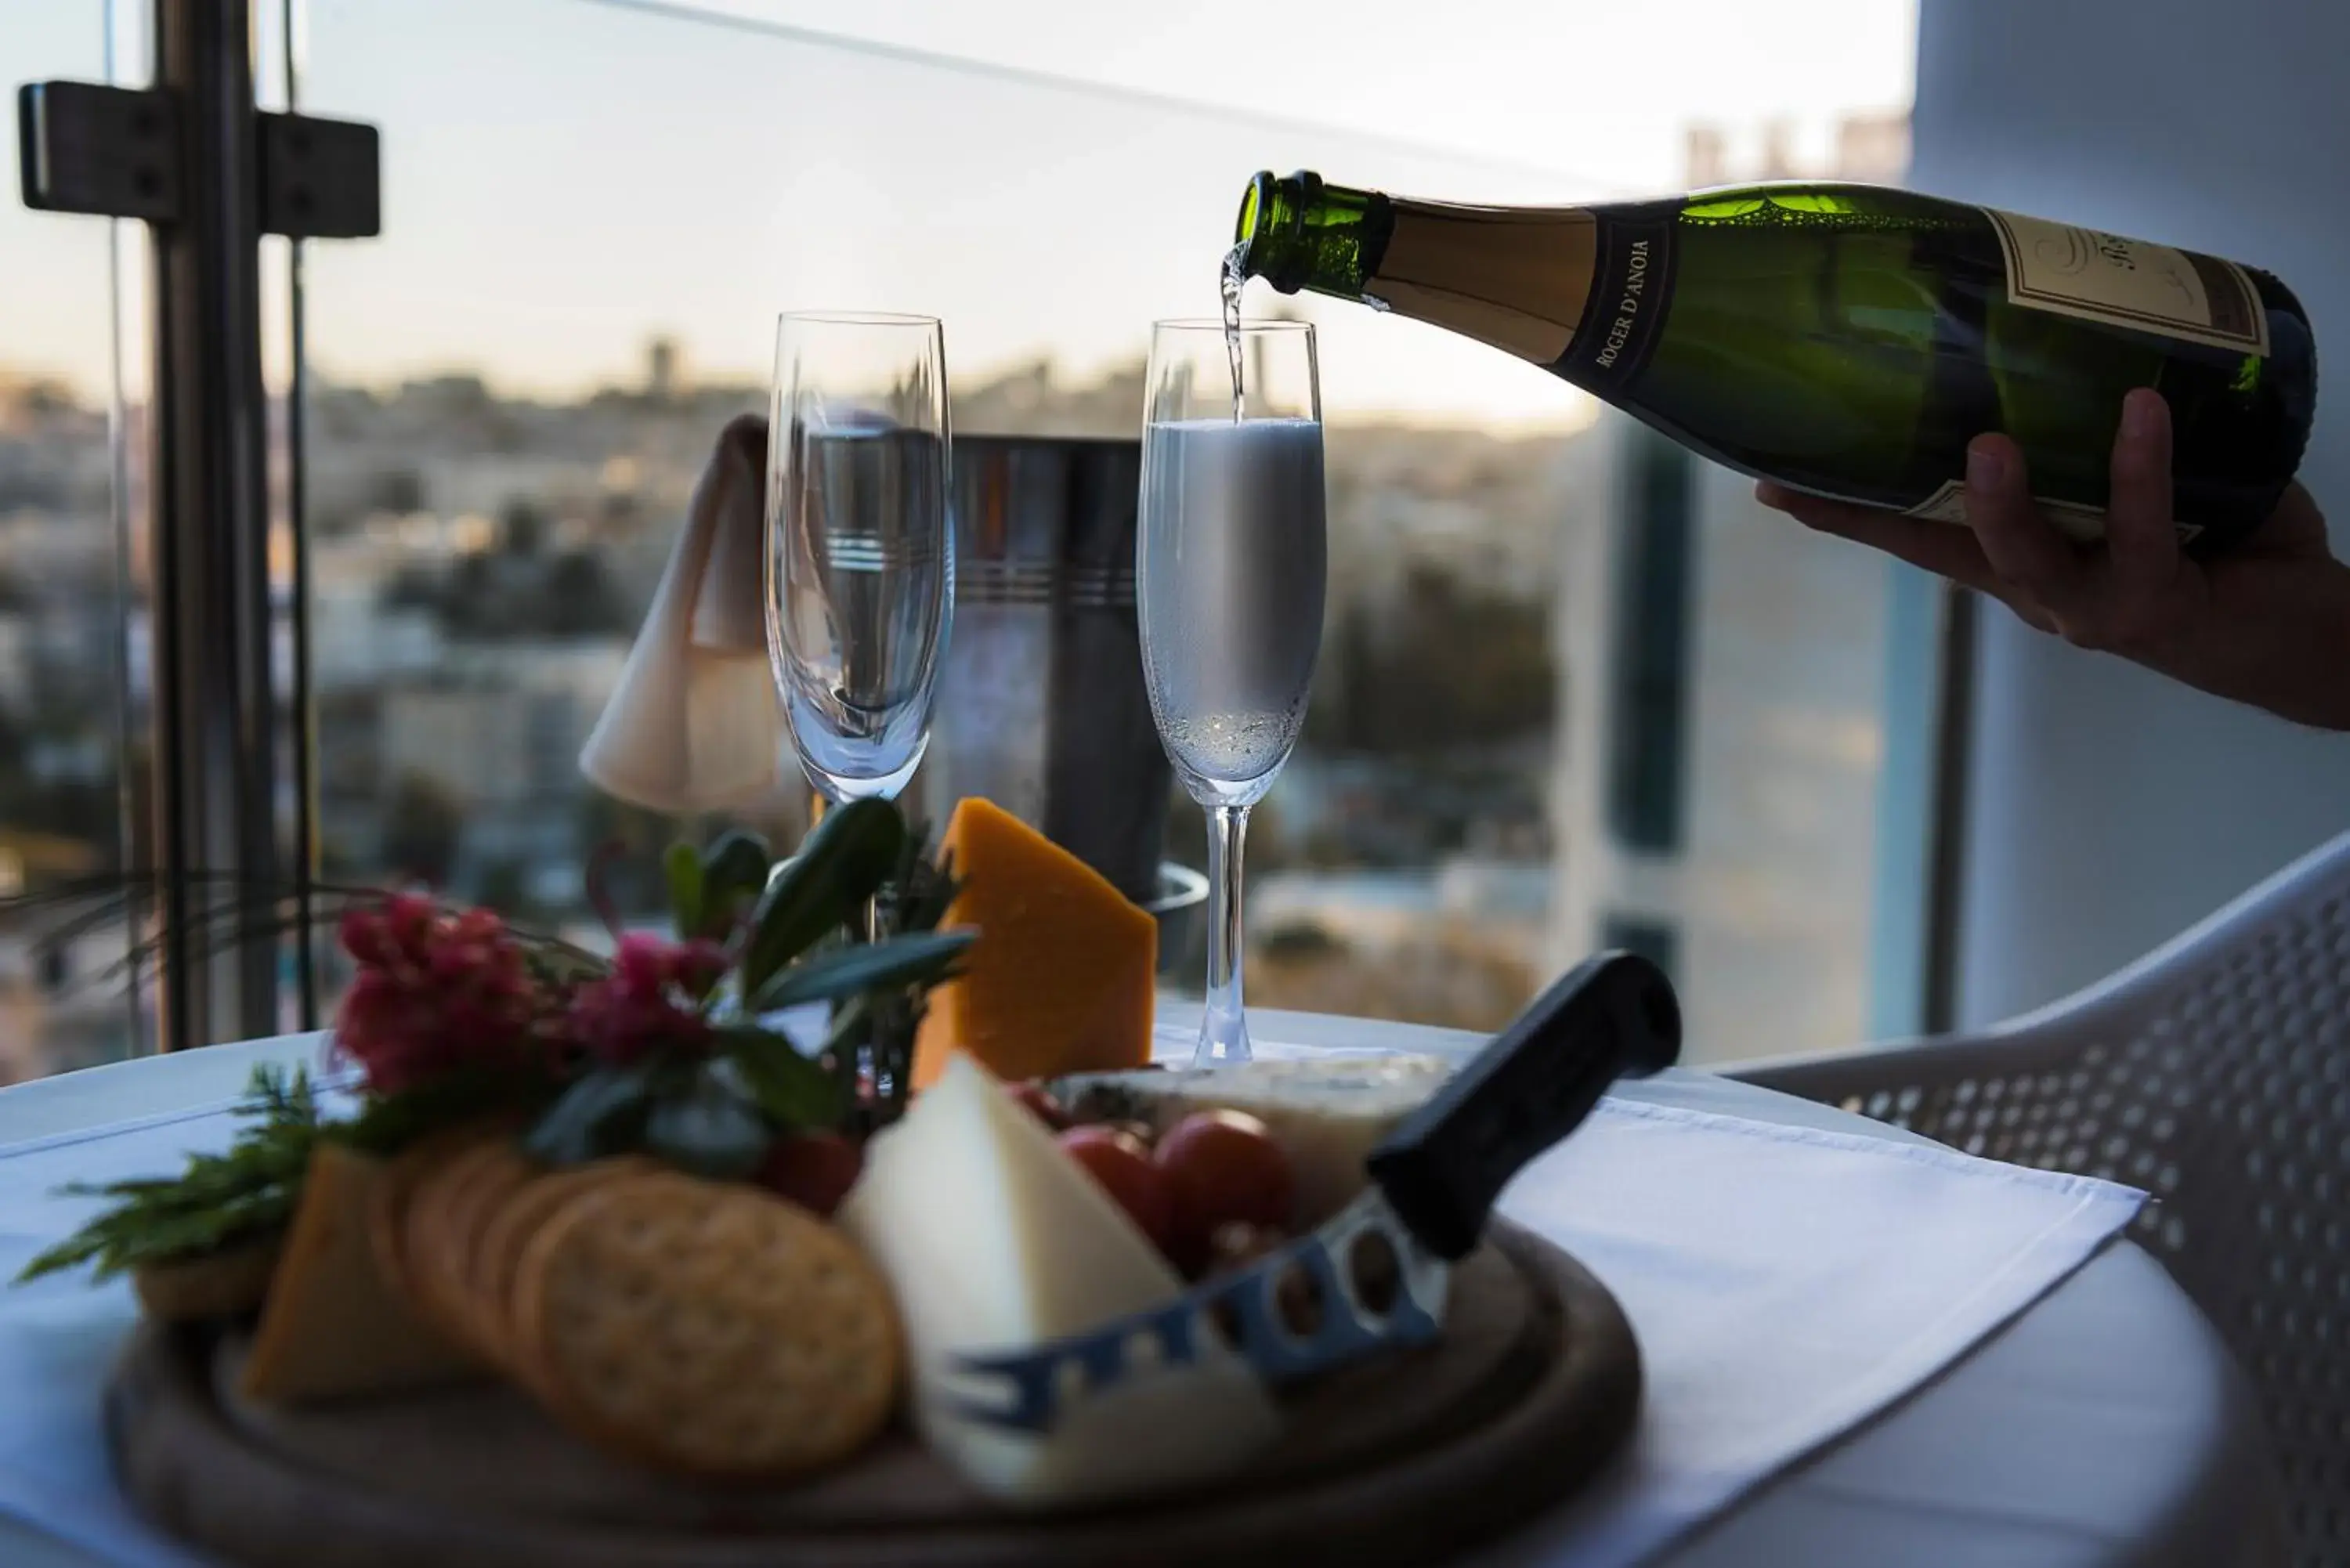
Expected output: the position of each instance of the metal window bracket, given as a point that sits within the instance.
(193, 158)
(115, 152)
(320, 178)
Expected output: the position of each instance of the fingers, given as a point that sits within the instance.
(1946, 549)
(2032, 559)
(1942, 548)
(2295, 529)
(2298, 506)
(2137, 596)
(2141, 539)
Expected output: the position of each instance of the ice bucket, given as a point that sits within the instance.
(1040, 703)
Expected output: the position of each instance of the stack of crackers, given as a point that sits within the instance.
(704, 1328)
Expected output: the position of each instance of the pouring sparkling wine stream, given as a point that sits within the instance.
(1235, 278)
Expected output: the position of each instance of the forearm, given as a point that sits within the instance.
(2292, 659)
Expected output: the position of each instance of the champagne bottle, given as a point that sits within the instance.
(1848, 340)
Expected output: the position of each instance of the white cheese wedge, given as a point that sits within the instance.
(994, 1239)
(1327, 1111)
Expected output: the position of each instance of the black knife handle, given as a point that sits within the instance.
(1613, 1016)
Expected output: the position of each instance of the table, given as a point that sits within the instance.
(2106, 1428)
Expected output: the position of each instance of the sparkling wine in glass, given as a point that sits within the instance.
(1231, 567)
(859, 567)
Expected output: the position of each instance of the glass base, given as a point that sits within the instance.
(1224, 1028)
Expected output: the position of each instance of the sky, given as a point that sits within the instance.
(566, 179)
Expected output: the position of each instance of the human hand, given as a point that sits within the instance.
(2266, 623)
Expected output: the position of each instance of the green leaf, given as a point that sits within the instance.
(846, 971)
(247, 1189)
(72, 1253)
(840, 864)
(794, 1091)
(735, 872)
(595, 1115)
(682, 866)
(708, 1128)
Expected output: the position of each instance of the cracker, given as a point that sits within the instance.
(466, 1202)
(387, 1204)
(707, 1329)
(506, 1230)
(431, 1203)
(521, 1344)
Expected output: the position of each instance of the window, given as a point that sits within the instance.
(1655, 940)
(1647, 751)
(1535, 723)
(513, 400)
(69, 455)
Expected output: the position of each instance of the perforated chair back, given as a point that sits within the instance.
(2214, 1072)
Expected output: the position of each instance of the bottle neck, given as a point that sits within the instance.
(1297, 232)
(1514, 277)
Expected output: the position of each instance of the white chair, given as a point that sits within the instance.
(2215, 1074)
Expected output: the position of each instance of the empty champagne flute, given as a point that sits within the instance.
(859, 564)
(1230, 571)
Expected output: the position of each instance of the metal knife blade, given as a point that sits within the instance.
(1358, 1283)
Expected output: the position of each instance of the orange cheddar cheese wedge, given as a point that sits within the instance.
(1062, 977)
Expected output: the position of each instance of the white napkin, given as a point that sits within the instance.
(693, 723)
(1785, 1284)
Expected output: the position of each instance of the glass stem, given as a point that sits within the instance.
(1223, 1026)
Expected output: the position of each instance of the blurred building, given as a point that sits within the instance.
(1872, 149)
(1720, 733)
(663, 374)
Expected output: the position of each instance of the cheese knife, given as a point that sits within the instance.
(1374, 1276)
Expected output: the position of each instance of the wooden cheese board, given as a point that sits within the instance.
(1402, 1460)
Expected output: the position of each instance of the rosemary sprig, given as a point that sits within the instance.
(242, 1194)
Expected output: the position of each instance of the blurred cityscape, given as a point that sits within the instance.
(1520, 744)
(479, 565)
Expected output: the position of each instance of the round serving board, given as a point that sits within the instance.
(1401, 1460)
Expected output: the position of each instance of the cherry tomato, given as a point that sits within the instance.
(1222, 1167)
(812, 1169)
(1040, 1103)
(1119, 1161)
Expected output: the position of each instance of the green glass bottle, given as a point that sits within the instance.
(1843, 339)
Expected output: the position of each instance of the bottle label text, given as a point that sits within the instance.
(1631, 294)
(2112, 279)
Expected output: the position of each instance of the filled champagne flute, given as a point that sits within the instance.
(1230, 574)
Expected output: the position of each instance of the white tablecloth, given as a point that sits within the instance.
(1785, 1282)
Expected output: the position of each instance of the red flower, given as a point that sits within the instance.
(439, 991)
(365, 938)
(650, 1005)
(411, 922)
(434, 992)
